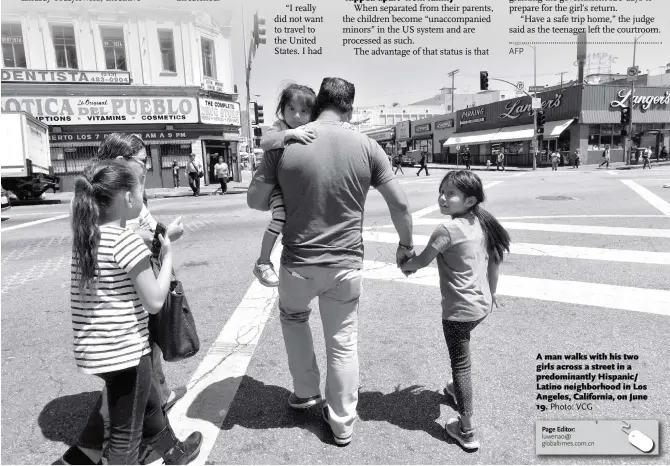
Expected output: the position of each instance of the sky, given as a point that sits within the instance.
(382, 80)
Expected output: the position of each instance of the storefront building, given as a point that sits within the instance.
(579, 117)
(174, 122)
(87, 70)
(427, 135)
(402, 132)
(385, 137)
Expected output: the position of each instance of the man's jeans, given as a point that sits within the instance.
(338, 291)
(135, 410)
(96, 431)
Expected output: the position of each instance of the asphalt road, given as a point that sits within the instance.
(589, 273)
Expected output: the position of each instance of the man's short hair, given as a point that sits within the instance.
(335, 93)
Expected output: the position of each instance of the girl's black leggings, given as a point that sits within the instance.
(457, 336)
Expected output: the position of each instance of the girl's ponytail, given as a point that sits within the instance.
(497, 238)
(85, 231)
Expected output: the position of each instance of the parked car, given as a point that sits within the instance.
(6, 203)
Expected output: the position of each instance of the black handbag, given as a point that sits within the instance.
(173, 327)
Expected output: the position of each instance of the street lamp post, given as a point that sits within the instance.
(536, 142)
(629, 143)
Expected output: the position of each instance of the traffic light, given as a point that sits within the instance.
(259, 114)
(625, 115)
(259, 30)
(484, 80)
(258, 132)
(541, 119)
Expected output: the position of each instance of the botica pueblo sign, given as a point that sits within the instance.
(644, 101)
(96, 110)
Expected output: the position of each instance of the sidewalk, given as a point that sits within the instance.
(234, 187)
(442, 166)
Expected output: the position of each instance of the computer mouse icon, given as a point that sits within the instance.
(641, 441)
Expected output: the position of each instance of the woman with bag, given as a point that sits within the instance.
(221, 172)
(194, 174)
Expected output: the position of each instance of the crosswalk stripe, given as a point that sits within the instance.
(561, 291)
(559, 228)
(532, 249)
(613, 173)
(650, 197)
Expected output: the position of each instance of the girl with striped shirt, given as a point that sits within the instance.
(113, 291)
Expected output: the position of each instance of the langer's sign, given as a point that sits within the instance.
(105, 110)
(645, 101)
(514, 109)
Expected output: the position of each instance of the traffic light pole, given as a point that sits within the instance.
(536, 141)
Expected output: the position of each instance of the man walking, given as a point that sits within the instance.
(577, 158)
(501, 161)
(194, 176)
(397, 161)
(606, 155)
(175, 174)
(646, 155)
(424, 165)
(325, 184)
(554, 160)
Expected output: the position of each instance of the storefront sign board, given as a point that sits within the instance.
(444, 124)
(424, 128)
(219, 112)
(96, 110)
(65, 76)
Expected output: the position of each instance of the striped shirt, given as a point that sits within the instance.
(109, 321)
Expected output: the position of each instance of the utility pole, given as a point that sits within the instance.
(257, 38)
(562, 73)
(629, 143)
(453, 89)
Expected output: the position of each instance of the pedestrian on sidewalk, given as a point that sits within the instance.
(175, 173)
(221, 171)
(324, 186)
(554, 160)
(129, 148)
(577, 158)
(646, 155)
(294, 110)
(424, 165)
(501, 161)
(664, 153)
(466, 158)
(397, 163)
(194, 174)
(469, 248)
(606, 157)
(107, 195)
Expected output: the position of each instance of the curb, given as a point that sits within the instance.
(168, 195)
(639, 166)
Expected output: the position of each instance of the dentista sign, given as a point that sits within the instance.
(644, 101)
(95, 110)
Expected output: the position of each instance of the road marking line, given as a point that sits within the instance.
(528, 217)
(561, 291)
(587, 229)
(648, 196)
(612, 173)
(430, 209)
(12, 215)
(533, 249)
(519, 174)
(226, 363)
(36, 222)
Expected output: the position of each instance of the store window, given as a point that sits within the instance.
(208, 62)
(71, 160)
(114, 46)
(13, 53)
(65, 47)
(171, 152)
(166, 42)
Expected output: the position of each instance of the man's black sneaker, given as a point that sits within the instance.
(296, 402)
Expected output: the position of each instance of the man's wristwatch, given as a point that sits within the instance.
(409, 248)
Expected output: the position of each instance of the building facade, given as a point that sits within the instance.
(163, 73)
(578, 117)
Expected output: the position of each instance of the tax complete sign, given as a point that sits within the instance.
(97, 110)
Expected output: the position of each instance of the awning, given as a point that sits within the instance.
(514, 133)
(553, 129)
(473, 137)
